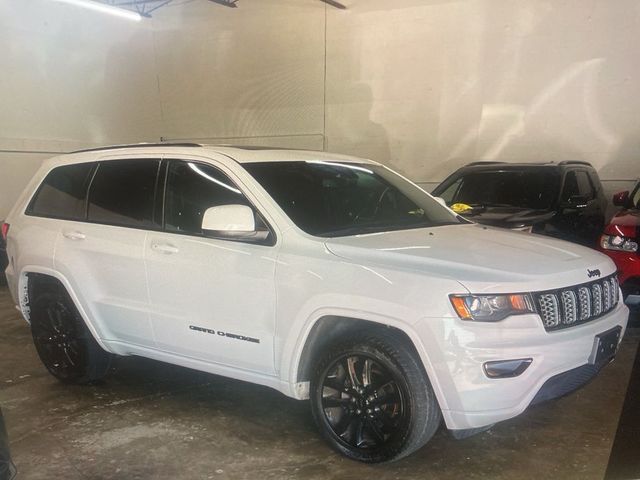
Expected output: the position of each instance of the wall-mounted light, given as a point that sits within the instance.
(104, 8)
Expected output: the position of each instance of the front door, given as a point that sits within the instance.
(211, 299)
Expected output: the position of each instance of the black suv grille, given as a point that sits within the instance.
(570, 306)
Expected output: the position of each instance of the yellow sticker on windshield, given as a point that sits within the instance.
(461, 207)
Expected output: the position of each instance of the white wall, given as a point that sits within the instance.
(253, 72)
(446, 82)
(424, 85)
(70, 78)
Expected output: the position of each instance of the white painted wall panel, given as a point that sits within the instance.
(253, 71)
(431, 85)
(74, 75)
(423, 85)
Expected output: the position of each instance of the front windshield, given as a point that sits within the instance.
(536, 189)
(331, 199)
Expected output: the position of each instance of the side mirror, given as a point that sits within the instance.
(621, 199)
(236, 222)
(441, 201)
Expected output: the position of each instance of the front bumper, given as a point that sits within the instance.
(457, 351)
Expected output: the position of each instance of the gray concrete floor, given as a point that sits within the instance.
(152, 420)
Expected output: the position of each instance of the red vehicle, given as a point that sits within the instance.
(620, 241)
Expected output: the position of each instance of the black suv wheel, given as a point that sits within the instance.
(62, 340)
(372, 399)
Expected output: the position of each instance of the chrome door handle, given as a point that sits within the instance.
(74, 235)
(164, 248)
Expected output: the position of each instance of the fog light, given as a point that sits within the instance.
(506, 368)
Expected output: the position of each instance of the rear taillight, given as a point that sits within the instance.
(5, 231)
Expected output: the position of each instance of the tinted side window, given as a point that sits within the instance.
(570, 186)
(122, 193)
(635, 196)
(63, 192)
(584, 184)
(595, 181)
(191, 189)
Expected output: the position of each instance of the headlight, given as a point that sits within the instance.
(491, 308)
(619, 243)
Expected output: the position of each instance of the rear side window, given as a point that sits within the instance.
(577, 183)
(123, 193)
(584, 184)
(63, 192)
(595, 181)
(635, 196)
(192, 188)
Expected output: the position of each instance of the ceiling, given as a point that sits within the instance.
(146, 7)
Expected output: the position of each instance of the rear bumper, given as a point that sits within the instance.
(560, 364)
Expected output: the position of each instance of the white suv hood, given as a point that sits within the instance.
(482, 259)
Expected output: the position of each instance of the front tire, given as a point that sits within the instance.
(372, 400)
(63, 341)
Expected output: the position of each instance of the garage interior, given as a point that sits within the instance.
(423, 86)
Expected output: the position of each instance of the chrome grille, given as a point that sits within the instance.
(606, 295)
(548, 304)
(596, 290)
(584, 297)
(569, 306)
(577, 304)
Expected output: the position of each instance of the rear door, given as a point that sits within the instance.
(211, 299)
(103, 255)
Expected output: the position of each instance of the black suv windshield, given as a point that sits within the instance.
(528, 188)
(331, 199)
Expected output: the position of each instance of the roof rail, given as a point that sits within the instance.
(137, 145)
(575, 162)
(483, 162)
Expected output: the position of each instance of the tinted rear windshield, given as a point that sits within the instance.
(537, 189)
(330, 199)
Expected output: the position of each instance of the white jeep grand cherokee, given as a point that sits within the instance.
(323, 276)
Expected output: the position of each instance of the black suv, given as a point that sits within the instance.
(563, 200)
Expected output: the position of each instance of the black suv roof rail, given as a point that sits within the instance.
(138, 145)
(574, 162)
(483, 162)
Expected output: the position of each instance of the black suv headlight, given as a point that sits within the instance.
(491, 308)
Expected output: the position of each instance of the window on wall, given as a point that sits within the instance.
(191, 189)
(63, 192)
(123, 193)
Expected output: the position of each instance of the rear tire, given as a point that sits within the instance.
(372, 400)
(63, 341)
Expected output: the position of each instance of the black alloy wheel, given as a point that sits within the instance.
(371, 398)
(362, 402)
(57, 341)
(63, 341)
